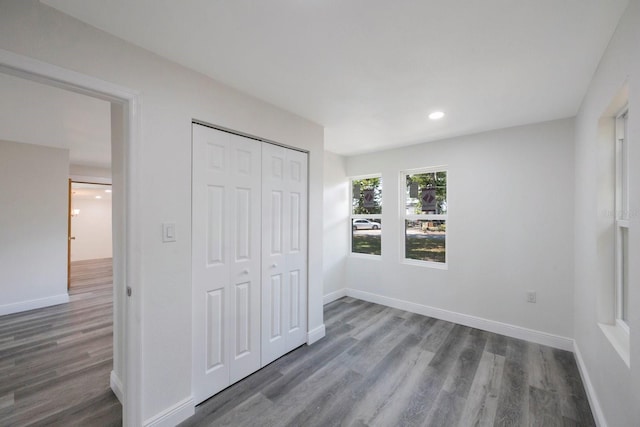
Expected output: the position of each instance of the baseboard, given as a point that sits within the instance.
(17, 307)
(174, 415)
(332, 296)
(315, 334)
(598, 415)
(116, 386)
(519, 332)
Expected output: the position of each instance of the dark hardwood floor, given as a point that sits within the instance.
(55, 362)
(380, 366)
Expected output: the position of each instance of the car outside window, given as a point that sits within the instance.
(366, 215)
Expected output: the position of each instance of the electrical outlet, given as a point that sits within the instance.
(531, 296)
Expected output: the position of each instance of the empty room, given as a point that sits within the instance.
(322, 213)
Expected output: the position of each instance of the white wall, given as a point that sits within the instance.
(509, 228)
(33, 220)
(614, 388)
(336, 222)
(91, 229)
(171, 97)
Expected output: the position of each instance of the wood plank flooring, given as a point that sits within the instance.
(55, 362)
(380, 366)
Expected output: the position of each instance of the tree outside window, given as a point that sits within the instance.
(366, 215)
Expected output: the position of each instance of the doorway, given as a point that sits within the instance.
(90, 223)
(125, 111)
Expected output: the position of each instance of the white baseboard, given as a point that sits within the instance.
(332, 296)
(315, 334)
(174, 415)
(116, 386)
(519, 332)
(598, 415)
(17, 307)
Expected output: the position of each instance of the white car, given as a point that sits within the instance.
(365, 224)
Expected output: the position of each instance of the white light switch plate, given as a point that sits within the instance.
(168, 232)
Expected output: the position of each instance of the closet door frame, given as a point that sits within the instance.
(306, 219)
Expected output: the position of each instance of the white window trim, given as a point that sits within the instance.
(617, 332)
(621, 211)
(402, 215)
(353, 216)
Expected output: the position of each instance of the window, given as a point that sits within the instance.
(366, 215)
(622, 221)
(425, 215)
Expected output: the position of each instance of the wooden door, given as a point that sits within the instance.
(284, 251)
(226, 259)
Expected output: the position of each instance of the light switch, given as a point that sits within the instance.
(168, 232)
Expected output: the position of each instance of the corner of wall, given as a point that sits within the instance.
(598, 414)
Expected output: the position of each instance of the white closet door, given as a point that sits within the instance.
(284, 251)
(226, 259)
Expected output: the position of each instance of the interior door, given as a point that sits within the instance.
(284, 251)
(226, 259)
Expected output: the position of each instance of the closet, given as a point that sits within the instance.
(249, 256)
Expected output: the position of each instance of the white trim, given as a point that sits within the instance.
(17, 307)
(425, 264)
(53, 75)
(598, 414)
(513, 331)
(90, 179)
(619, 340)
(173, 415)
(403, 216)
(371, 257)
(335, 295)
(116, 386)
(315, 334)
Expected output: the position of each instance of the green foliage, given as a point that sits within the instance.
(437, 180)
(425, 248)
(358, 202)
(366, 244)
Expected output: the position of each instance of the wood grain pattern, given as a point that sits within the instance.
(55, 362)
(379, 366)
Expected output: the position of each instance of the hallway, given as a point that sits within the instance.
(55, 362)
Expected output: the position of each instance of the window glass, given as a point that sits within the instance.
(367, 196)
(366, 215)
(366, 236)
(425, 222)
(425, 240)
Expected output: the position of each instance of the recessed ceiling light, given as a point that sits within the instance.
(98, 197)
(107, 191)
(436, 115)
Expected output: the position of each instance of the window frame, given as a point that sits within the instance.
(353, 216)
(621, 219)
(403, 217)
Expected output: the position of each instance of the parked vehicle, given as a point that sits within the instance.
(365, 224)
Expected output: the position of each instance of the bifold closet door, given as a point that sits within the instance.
(284, 251)
(226, 227)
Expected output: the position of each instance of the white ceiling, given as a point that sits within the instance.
(85, 191)
(370, 71)
(44, 115)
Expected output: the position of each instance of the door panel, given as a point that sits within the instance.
(226, 259)
(215, 225)
(215, 327)
(284, 306)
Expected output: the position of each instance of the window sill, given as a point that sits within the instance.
(365, 256)
(619, 339)
(426, 264)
